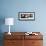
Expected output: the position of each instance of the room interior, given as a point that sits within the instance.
(11, 9)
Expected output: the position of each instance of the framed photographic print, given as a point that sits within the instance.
(25, 16)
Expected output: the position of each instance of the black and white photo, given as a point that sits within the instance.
(26, 16)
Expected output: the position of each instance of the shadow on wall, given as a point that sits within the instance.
(2, 21)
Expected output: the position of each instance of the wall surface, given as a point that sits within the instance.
(10, 8)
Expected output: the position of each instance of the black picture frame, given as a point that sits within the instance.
(26, 16)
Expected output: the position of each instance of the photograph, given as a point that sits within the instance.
(26, 16)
